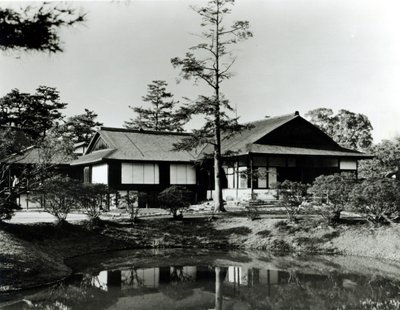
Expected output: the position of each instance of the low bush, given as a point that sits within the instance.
(252, 213)
(378, 199)
(58, 195)
(331, 195)
(264, 233)
(92, 198)
(175, 199)
(131, 203)
(281, 225)
(293, 195)
(8, 206)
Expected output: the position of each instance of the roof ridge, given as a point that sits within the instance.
(155, 132)
(296, 114)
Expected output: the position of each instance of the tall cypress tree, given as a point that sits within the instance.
(161, 115)
(210, 61)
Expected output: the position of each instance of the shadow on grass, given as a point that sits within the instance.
(242, 231)
(44, 231)
(81, 238)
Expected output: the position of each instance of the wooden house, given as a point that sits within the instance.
(18, 168)
(269, 151)
(280, 148)
(142, 161)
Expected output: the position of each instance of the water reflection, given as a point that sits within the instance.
(235, 287)
(218, 286)
(232, 276)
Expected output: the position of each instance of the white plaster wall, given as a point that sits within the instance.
(100, 174)
(348, 164)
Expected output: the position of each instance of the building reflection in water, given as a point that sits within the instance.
(224, 283)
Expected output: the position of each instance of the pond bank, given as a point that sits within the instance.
(34, 254)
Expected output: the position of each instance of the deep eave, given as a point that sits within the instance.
(298, 151)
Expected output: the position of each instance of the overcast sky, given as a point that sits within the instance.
(305, 54)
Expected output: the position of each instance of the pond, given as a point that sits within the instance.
(200, 279)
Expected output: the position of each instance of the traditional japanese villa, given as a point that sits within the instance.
(269, 151)
(18, 165)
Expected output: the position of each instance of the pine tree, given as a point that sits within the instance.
(81, 127)
(36, 28)
(160, 116)
(34, 114)
(212, 64)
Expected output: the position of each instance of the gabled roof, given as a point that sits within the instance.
(127, 144)
(250, 140)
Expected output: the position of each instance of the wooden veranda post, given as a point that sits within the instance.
(251, 178)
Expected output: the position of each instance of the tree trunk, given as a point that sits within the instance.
(218, 201)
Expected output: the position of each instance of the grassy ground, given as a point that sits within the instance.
(33, 254)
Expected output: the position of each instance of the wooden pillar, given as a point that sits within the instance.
(236, 178)
(357, 170)
(116, 199)
(9, 180)
(210, 183)
(251, 177)
(27, 194)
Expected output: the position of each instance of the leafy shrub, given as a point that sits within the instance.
(130, 202)
(175, 199)
(7, 207)
(292, 196)
(91, 198)
(252, 213)
(376, 199)
(8, 197)
(59, 195)
(281, 225)
(331, 195)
